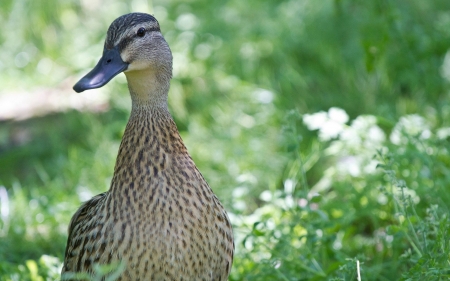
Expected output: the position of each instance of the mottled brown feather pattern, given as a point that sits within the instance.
(159, 216)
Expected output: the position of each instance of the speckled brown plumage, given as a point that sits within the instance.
(159, 216)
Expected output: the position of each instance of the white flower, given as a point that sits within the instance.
(443, 133)
(316, 120)
(330, 124)
(338, 115)
(330, 130)
(412, 125)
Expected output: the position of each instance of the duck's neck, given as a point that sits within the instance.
(151, 144)
(148, 88)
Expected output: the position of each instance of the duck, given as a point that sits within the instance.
(159, 218)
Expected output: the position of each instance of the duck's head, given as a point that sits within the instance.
(134, 45)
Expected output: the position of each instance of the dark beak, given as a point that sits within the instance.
(107, 67)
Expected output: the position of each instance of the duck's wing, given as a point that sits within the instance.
(82, 216)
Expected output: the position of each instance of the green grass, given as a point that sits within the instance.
(252, 81)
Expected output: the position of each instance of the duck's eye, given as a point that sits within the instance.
(141, 32)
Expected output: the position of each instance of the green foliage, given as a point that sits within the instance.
(323, 126)
(46, 268)
(393, 218)
(108, 272)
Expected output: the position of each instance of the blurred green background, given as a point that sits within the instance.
(323, 127)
